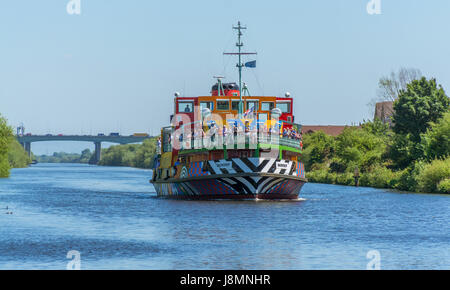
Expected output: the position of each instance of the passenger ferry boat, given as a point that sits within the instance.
(230, 145)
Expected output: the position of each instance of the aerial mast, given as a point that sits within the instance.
(239, 65)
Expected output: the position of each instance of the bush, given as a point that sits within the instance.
(337, 165)
(380, 177)
(134, 155)
(4, 167)
(318, 176)
(345, 179)
(319, 147)
(432, 174)
(360, 147)
(17, 156)
(5, 139)
(402, 180)
(330, 178)
(436, 141)
(322, 176)
(444, 186)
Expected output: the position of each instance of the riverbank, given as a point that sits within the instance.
(12, 154)
(373, 154)
(62, 157)
(424, 178)
(131, 155)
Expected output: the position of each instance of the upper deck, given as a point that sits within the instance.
(226, 103)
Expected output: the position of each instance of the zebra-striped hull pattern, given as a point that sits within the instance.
(238, 178)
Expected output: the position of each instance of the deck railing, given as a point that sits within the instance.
(237, 140)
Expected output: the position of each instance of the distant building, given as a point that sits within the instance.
(327, 129)
(384, 111)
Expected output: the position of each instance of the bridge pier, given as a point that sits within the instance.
(98, 151)
(27, 147)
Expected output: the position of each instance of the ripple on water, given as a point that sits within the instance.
(111, 215)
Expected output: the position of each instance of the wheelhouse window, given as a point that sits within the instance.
(252, 104)
(235, 105)
(223, 105)
(166, 139)
(185, 107)
(267, 106)
(262, 117)
(285, 107)
(209, 105)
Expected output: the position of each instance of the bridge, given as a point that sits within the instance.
(26, 140)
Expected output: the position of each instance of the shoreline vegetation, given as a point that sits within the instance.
(411, 155)
(12, 154)
(130, 155)
(62, 157)
(369, 156)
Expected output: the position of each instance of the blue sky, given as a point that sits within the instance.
(115, 67)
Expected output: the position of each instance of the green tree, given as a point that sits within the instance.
(6, 136)
(377, 127)
(319, 147)
(135, 155)
(145, 153)
(17, 156)
(85, 156)
(436, 141)
(421, 103)
(404, 151)
(360, 147)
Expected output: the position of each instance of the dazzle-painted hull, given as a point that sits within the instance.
(237, 178)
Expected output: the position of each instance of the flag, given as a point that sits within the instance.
(249, 111)
(251, 63)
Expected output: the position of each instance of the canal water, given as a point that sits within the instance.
(110, 215)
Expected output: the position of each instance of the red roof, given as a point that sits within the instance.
(332, 130)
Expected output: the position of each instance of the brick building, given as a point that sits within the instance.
(384, 111)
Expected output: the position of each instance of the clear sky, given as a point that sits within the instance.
(115, 66)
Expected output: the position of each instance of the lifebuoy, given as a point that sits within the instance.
(184, 172)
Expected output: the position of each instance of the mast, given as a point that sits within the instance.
(239, 65)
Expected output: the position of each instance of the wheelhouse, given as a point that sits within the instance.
(227, 103)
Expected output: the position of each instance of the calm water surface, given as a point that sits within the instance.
(112, 217)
